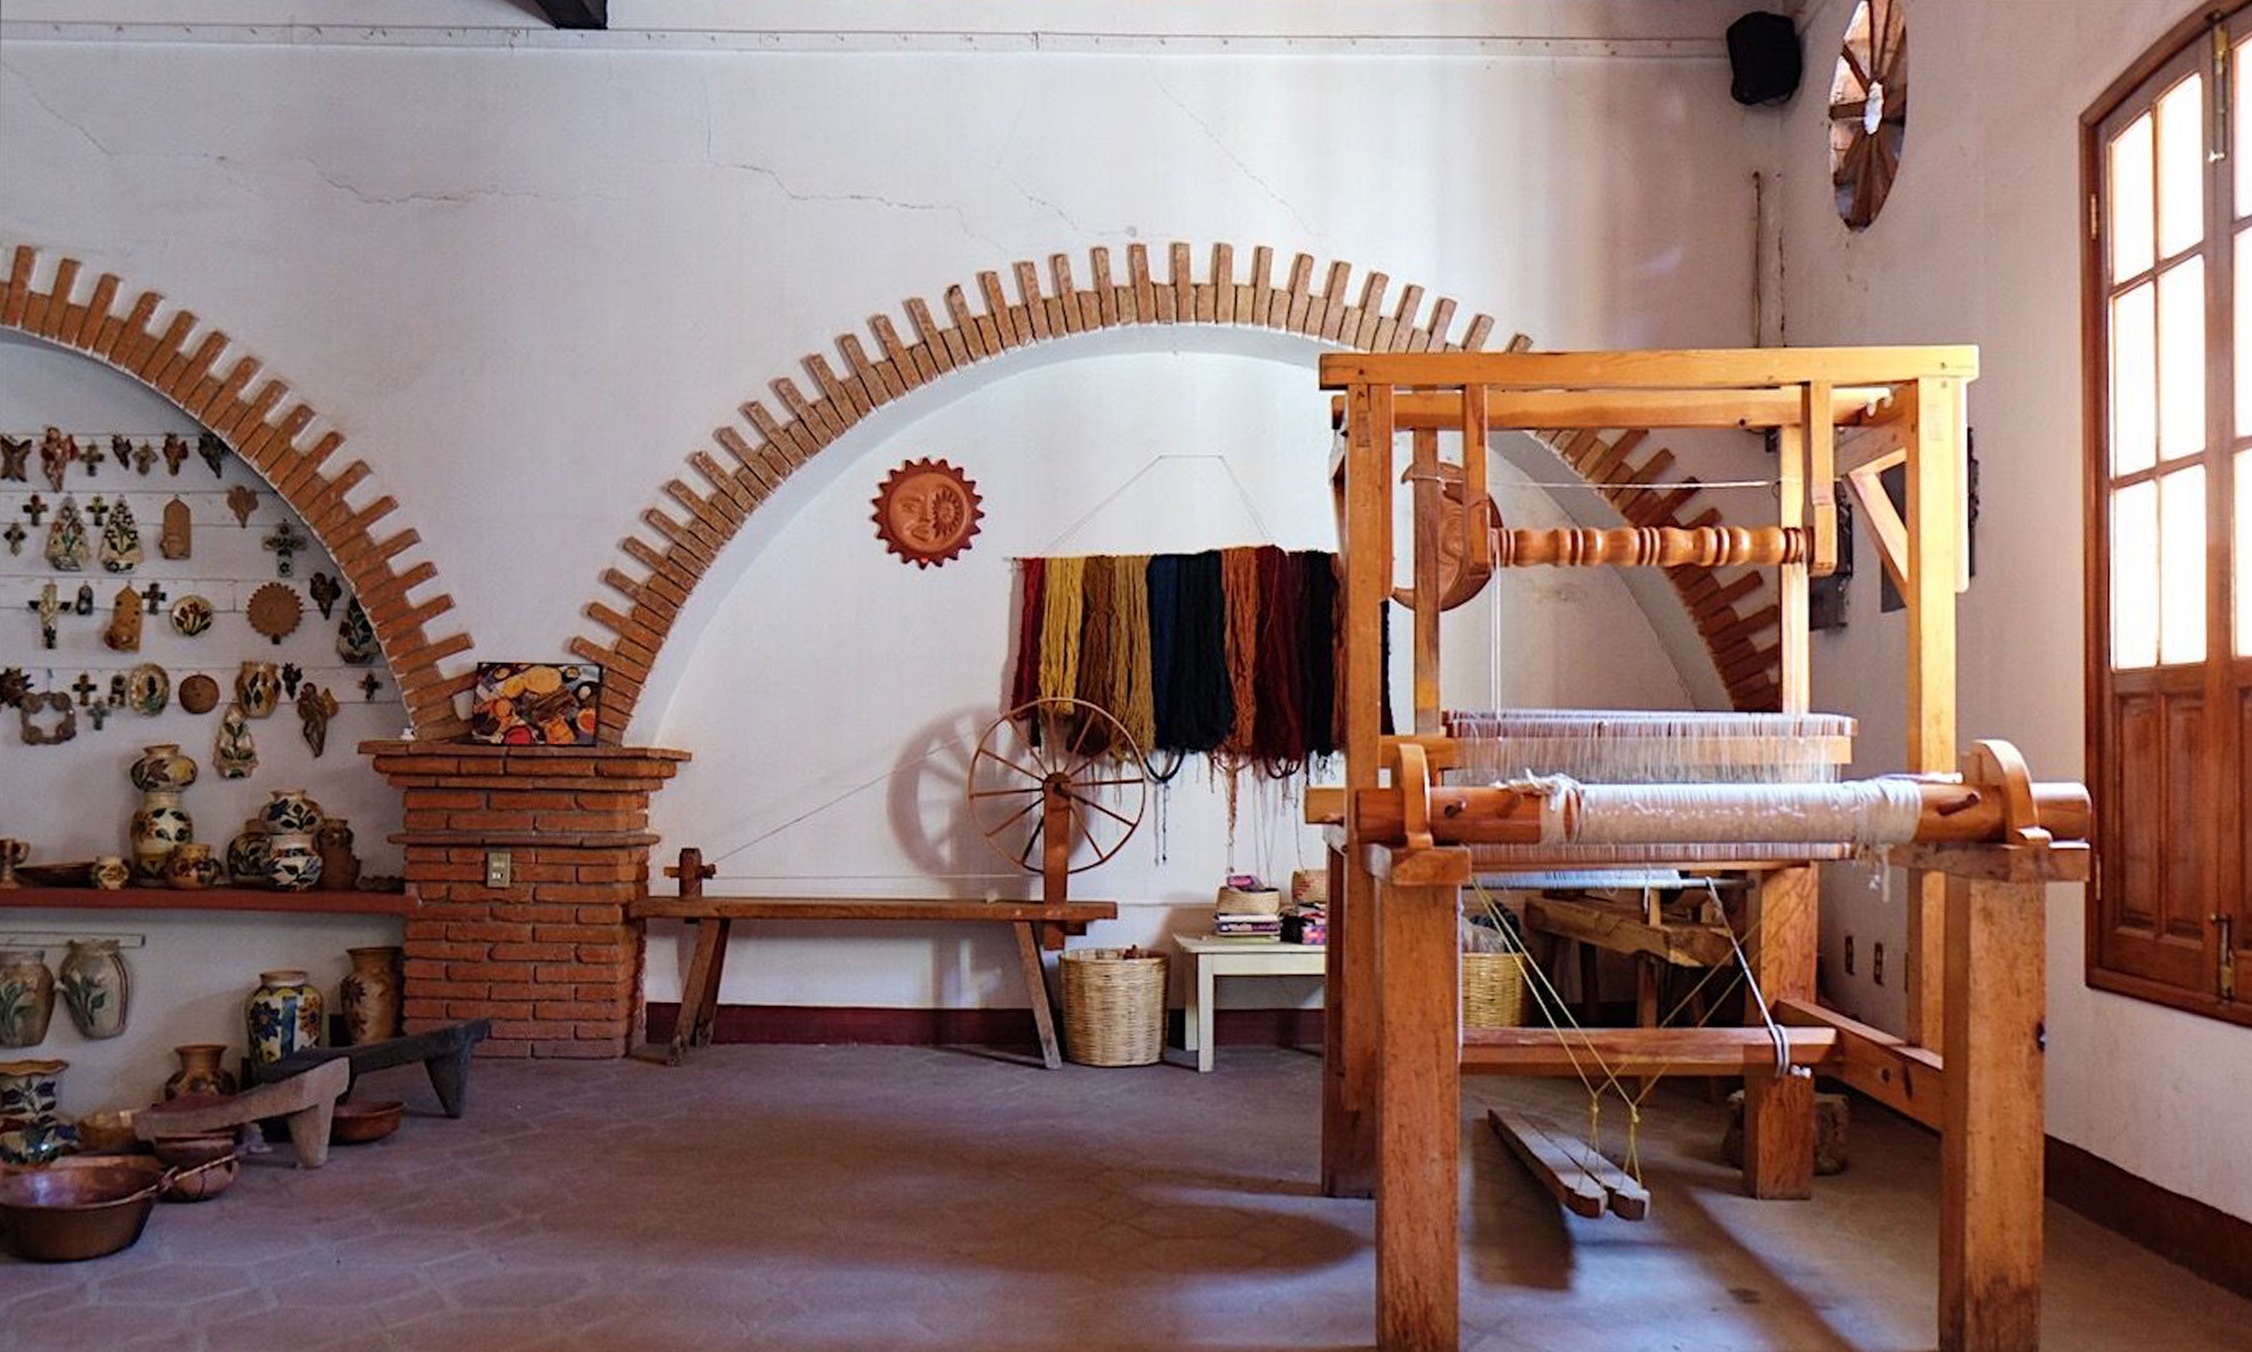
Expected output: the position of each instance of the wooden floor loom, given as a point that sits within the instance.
(1979, 848)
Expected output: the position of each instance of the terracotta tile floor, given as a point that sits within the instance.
(906, 1198)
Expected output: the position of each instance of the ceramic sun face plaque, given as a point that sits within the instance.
(536, 703)
(926, 512)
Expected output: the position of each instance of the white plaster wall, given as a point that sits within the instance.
(72, 801)
(1980, 243)
(835, 699)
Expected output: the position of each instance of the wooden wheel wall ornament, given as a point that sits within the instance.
(1869, 109)
(1062, 801)
(926, 512)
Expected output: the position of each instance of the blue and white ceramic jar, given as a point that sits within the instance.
(283, 1015)
(292, 863)
(290, 810)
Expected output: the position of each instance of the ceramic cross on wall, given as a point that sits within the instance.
(90, 456)
(47, 607)
(98, 509)
(36, 508)
(85, 687)
(156, 598)
(285, 541)
(14, 536)
(368, 683)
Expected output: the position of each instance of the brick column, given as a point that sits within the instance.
(551, 959)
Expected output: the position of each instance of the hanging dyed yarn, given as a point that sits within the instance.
(1239, 583)
(1062, 594)
(1226, 652)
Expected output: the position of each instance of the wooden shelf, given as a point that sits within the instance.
(210, 899)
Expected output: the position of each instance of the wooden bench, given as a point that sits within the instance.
(1037, 925)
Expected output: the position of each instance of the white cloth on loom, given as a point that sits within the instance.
(1881, 811)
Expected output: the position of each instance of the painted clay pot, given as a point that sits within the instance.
(292, 864)
(96, 987)
(27, 997)
(370, 994)
(248, 852)
(161, 767)
(202, 1071)
(258, 688)
(160, 825)
(192, 868)
(111, 872)
(290, 810)
(29, 1091)
(340, 867)
(283, 1016)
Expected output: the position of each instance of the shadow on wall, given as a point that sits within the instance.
(933, 766)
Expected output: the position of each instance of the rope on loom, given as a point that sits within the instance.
(1239, 585)
(1063, 595)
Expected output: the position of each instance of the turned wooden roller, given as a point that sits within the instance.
(1651, 546)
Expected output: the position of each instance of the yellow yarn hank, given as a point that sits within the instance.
(1098, 645)
(1137, 694)
(1063, 598)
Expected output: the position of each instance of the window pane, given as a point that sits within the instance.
(2242, 352)
(2134, 380)
(2130, 224)
(2242, 116)
(2181, 359)
(2181, 568)
(2242, 587)
(2181, 166)
(2134, 576)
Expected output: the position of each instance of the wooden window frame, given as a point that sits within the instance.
(2220, 796)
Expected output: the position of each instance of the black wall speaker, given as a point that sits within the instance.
(1763, 57)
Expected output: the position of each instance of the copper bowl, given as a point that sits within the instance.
(358, 1123)
(65, 1215)
(215, 1148)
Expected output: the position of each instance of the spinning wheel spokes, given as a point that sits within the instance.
(1039, 771)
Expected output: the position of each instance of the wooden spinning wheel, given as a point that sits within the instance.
(1869, 109)
(1057, 787)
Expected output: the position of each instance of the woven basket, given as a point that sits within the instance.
(1493, 990)
(1113, 1006)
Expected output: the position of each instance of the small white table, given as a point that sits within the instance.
(1216, 958)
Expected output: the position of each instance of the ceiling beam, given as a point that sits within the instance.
(577, 13)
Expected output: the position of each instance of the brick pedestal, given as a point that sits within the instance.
(551, 959)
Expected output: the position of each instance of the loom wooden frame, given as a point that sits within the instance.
(1395, 1051)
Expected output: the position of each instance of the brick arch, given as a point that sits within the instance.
(691, 523)
(270, 429)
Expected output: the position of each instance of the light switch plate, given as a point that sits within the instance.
(500, 868)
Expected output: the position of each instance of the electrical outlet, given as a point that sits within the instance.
(1849, 955)
(500, 868)
(1876, 964)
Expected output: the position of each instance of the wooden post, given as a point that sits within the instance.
(1429, 496)
(1933, 501)
(1991, 1148)
(1349, 1054)
(1790, 578)
(1780, 938)
(1055, 842)
(1351, 1120)
(1419, 1142)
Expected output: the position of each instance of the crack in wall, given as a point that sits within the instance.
(1312, 235)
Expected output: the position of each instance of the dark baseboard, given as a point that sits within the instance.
(802, 1025)
(2209, 1242)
